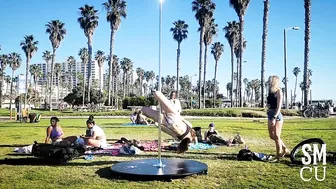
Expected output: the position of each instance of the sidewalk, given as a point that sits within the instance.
(186, 117)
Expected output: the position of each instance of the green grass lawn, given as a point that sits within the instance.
(223, 171)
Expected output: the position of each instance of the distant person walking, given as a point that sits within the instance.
(275, 118)
(175, 102)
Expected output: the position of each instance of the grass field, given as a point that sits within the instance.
(223, 171)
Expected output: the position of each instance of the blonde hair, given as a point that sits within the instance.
(273, 82)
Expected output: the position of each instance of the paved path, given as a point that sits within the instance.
(186, 117)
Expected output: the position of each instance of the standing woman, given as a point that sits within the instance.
(175, 102)
(275, 118)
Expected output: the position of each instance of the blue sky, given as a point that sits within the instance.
(138, 37)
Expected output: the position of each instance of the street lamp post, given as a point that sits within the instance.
(285, 63)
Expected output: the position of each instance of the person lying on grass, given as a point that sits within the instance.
(54, 131)
(172, 123)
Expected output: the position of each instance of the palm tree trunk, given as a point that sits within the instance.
(232, 63)
(302, 94)
(71, 79)
(35, 81)
(200, 68)
(116, 91)
(263, 51)
(110, 67)
(214, 91)
(178, 68)
(100, 79)
(11, 94)
(204, 72)
(307, 6)
(237, 83)
(295, 88)
(241, 31)
(51, 77)
(84, 84)
(1, 84)
(124, 84)
(27, 72)
(90, 66)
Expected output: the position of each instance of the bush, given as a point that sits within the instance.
(138, 101)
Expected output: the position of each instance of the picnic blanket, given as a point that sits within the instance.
(201, 146)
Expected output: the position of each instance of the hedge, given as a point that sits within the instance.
(225, 112)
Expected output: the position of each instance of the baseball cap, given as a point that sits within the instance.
(211, 125)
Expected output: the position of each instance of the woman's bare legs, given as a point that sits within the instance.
(154, 115)
(164, 103)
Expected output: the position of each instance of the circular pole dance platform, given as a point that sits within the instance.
(143, 169)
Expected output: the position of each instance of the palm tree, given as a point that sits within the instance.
(302, 87)
(204, 10)
(209, 32)
(14, 60)
(237, 53)
(71, 62)
(231, 34)
(8, 81)
(29, 47)
(116, 9)
(263, 51)
(47, 57)
(217, 50)
(35, 71)
(116, 73)
(100, 58)
(296, 72)
(88, 22)
(180, 33)
(58, 72)
(228, 88)
(3, 63)
(240, 6)
(56, 30)
(140, 72)
(126, 66)
(307, 6)
(83, 54)
(245, 81)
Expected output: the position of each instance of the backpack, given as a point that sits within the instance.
(57, 153)
(245, 155)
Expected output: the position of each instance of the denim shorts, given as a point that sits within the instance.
(271, 113)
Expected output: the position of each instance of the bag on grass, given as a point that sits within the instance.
(57, 153)
(245, 155)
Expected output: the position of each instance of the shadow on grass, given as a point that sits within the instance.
(42, 162)
(13, 145)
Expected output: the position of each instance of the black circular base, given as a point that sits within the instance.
(146, 169)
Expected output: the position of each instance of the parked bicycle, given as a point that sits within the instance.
(316, 111)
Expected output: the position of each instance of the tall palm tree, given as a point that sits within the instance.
(47, 57)
(296, 72)
(29, 47)
(126, 66)
(245, 81)
(3, 65)
(307, 7)
(84, 56)
(116, 73)
(58, 72)
(263, 51)
(302, 87)
(100, 58)
(140, 72)
(237, 53)
(35, 71)
(217, 50)
(228, 88)
(56, 30)
(14, 60)
(116, 9)
(209, 32)
(204, 10)
(72, 63)
(180, 33)
(240, 6)
(88, 22)
(231, 34)
(8, 81)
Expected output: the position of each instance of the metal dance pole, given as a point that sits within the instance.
(160, 165)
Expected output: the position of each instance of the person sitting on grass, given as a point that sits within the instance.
(173, 123)
(212, 136)
(141, 119)
(54, 131)
(134, 117)
(95, 135)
